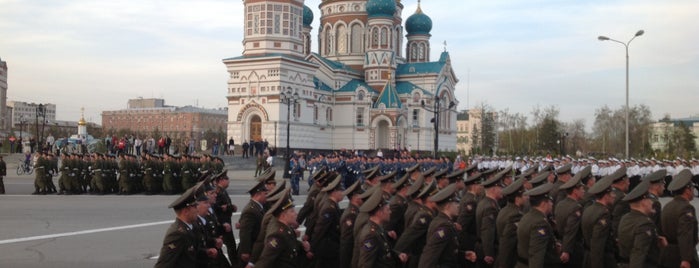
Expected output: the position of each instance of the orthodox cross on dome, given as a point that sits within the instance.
(445, 45)
(419, 10)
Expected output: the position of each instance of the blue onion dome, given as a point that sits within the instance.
(381, 8)
(418, 23)
(307, 16)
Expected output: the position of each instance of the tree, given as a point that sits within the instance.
(547, 128)
(609, 130)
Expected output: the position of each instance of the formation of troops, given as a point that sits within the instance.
(408, 212)
(126, 174)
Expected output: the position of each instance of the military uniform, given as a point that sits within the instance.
(506, 226)
(486, 214)
(597, 234)
(347, 235)
(398, 205)
(679, 223)
(375, 251)
(413, 240)
(568, 213)
(638, 241)
(442, 244)
(281, 248)
(326, 235)
(179, 247)
(536, 243)
(250, 224)
(467, 219)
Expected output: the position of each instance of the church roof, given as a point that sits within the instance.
(336, 65)
(353, 84)
(404, 87)
(423, 67)
(389, 98)
(321, 86)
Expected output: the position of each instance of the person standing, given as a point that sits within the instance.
(506, 223)
(639, 243)
(231, 146)
(486, 214)
(354, 193)
(3, 173)
(374, 249)
(246, 146)
(325, 241)
(251, 220)
(596, 227)
(179, 245)
(679, 222)
(567, 215)
(536, 243)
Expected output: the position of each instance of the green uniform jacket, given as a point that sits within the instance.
(598, 241)
(657, 207)
(414, 238)
(374, 252)
(398, 206)
(250, 224)
(679, 223)
(347, 235)
(442, 246)
(506, 224)
(179, 247)
(307, 208)
(486, 214)
(467, 219)
(326, 236)
(281, 249)
(411, 209)
(536, 243)
(568, 214)
(638, 240)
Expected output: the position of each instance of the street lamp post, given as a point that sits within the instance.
(40, 112)
(436, 109)
(290, 98)
(626, 109)
(22, 123)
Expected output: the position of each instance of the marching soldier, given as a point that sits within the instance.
(251, 220)
(656, 187)
(567, 213)
(272, 197)
(326, 234)
(355, 194)
(486, 214)
(179, 245)
(563, 174)
(467, 212)
(398, 205)
(415, 203)
(374, 248)
(679, 222)
(599, 243)
(506, 223)
(281, 248)
(224, 209)
(307, 208)
(639, 243)
(442, 246)
(413, 240)
(536, 243)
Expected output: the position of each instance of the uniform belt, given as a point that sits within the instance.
(95, 170)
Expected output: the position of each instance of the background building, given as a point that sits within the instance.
(27, 112)
(678, 136)
(477, 131)
(153, 117)
(366, 88)
(5, 117)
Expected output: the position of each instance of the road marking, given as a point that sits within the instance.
(117, 228)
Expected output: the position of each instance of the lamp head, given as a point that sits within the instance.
(451, 104)
(602, 38)
(639, 33)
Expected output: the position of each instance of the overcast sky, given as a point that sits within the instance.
(512, 54)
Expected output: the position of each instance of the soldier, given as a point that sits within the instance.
(414, 239)
(506, 223)
(169, 185)
(64, 181)
(224, 209)
(187, 172)
(354, 193)
(398, 205)
(620, 186)
(486, 214)
(208, 228)
(372, 241)
(567, 214)
(326, 234)
(639, 243)
(415, 203)
(281, 248)
(468, 236)
(312, 193)
(384, 187)
(272, 197)
(656, 187)
(679, 222)
(442, 246)
(596, 226)
(3, 173)
(251, 220)
(563, 174)
(179, 245)
(40, 186)
(536, 243)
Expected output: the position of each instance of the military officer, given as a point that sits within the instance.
(415, 203)
(354, 193)
(281, 248)
(599, 243)
(486, 214)
(563, 174)
(620, 186)
(384, 187)
(374, 248)
(679, 222)
(224, 209)
(506, 223)
(209, 228)
(312, 193)
(179, 245)
(442, 246)
(567, 214)
(272, 197)
(536, 243)
(639, 243)
(656, 187)
(467, 212)
(398, 205)
(413, 240)
(250, 220)
(325, 241)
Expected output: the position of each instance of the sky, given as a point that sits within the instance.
(508, 54)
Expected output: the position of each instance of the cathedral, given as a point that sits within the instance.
(366, 88)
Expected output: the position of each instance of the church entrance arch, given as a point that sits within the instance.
(255, 128)
(382, 135)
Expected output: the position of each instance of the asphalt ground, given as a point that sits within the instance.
(95, 231)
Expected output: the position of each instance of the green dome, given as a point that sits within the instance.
(381, 8)
(307, 16)
(418, 23)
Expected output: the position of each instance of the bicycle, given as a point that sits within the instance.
(23, 168)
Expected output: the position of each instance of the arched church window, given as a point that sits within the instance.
(375, 37)
(421, 51)
(413, 51)
(360, 96)
(357, 39)
(341, 39)
(384, 37)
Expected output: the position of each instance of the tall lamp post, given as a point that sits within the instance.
(290, 98)
(626, 109)
(22, 123)
(436, 109)
(40, 112)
